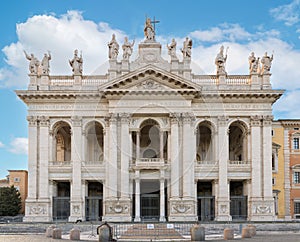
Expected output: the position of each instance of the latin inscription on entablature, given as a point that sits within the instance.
(230, 106)
(64, 107)
(149, 103)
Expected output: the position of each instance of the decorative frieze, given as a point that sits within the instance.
(117, 207)
(38, 209)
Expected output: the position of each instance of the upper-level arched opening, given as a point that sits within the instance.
(94, 142)
(62, 141)
(204, 141)
(238, 141)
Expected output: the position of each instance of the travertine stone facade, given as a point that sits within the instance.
(150, 140)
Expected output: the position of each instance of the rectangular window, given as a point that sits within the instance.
(297, 177)
(296, 144)
(273, 181)
(297, 207)
(296, 128)
(16, 179)
(272, 132)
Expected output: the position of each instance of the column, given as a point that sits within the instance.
(111, 163)
(256, 173)
(161, 145)
(76, 152)
(287, 183)
(189, 152)
(267, 151)
(162, 198)
(32, 157)
(175, 175)
(267, 168)
(223, 202)
(137, 197)
(125, 155)
(137, 145)
(43, 162)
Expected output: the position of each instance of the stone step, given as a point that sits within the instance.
(153, 231)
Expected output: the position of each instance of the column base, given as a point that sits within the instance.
(162, 219)
(182, 209)
(223, 210)
(38, 210)
(262, 210)
(117, 210)
(76, 210)
(138, 219)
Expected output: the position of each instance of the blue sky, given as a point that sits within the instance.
(64, 25)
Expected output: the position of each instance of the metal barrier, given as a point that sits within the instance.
(151, 230)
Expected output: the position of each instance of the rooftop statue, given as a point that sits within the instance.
(76, 63)
(127, 48)
(266, 62)
(33, 64)
(113, 48)
(172, 49)
(220, 61)
(149, 30)
(187, 48)
(45, 63)
(253, 64)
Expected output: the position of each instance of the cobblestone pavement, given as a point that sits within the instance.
(260, 237)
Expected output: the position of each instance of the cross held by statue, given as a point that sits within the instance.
(154, 21)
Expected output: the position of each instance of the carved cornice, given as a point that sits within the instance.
(175, 118)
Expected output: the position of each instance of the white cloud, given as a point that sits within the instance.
(19, 145)
(288, 13)
(288, 106)
(1, 144)
(60, 35)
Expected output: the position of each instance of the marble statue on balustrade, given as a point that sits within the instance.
(76, 63)
(253, 64)
(149, 31)
(220, 61)
(266, 62)
(127, 48)
(187, 48)
(45, 64)
(34, 63)
(113, 48)
(172, 50)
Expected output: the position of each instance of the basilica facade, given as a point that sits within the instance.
(150, 140)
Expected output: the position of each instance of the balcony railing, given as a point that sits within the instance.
(239, 162)
(60, 163)
(150, 162)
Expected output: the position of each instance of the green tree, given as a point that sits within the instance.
(10, 201)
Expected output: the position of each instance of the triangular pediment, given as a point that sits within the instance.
(151, 79)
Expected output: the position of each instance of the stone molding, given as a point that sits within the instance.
(32, 120)
(255, 120)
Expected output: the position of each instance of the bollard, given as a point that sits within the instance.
(197, 233)
(228, 234)
(75, 234)
(49, 231)
(246, 232)
(105, 232)
(252, 230)
(56, 233)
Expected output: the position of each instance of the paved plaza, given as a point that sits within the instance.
(272, 237)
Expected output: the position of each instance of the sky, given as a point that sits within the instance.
(61, 26)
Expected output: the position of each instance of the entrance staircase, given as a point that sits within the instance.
(150, 232)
